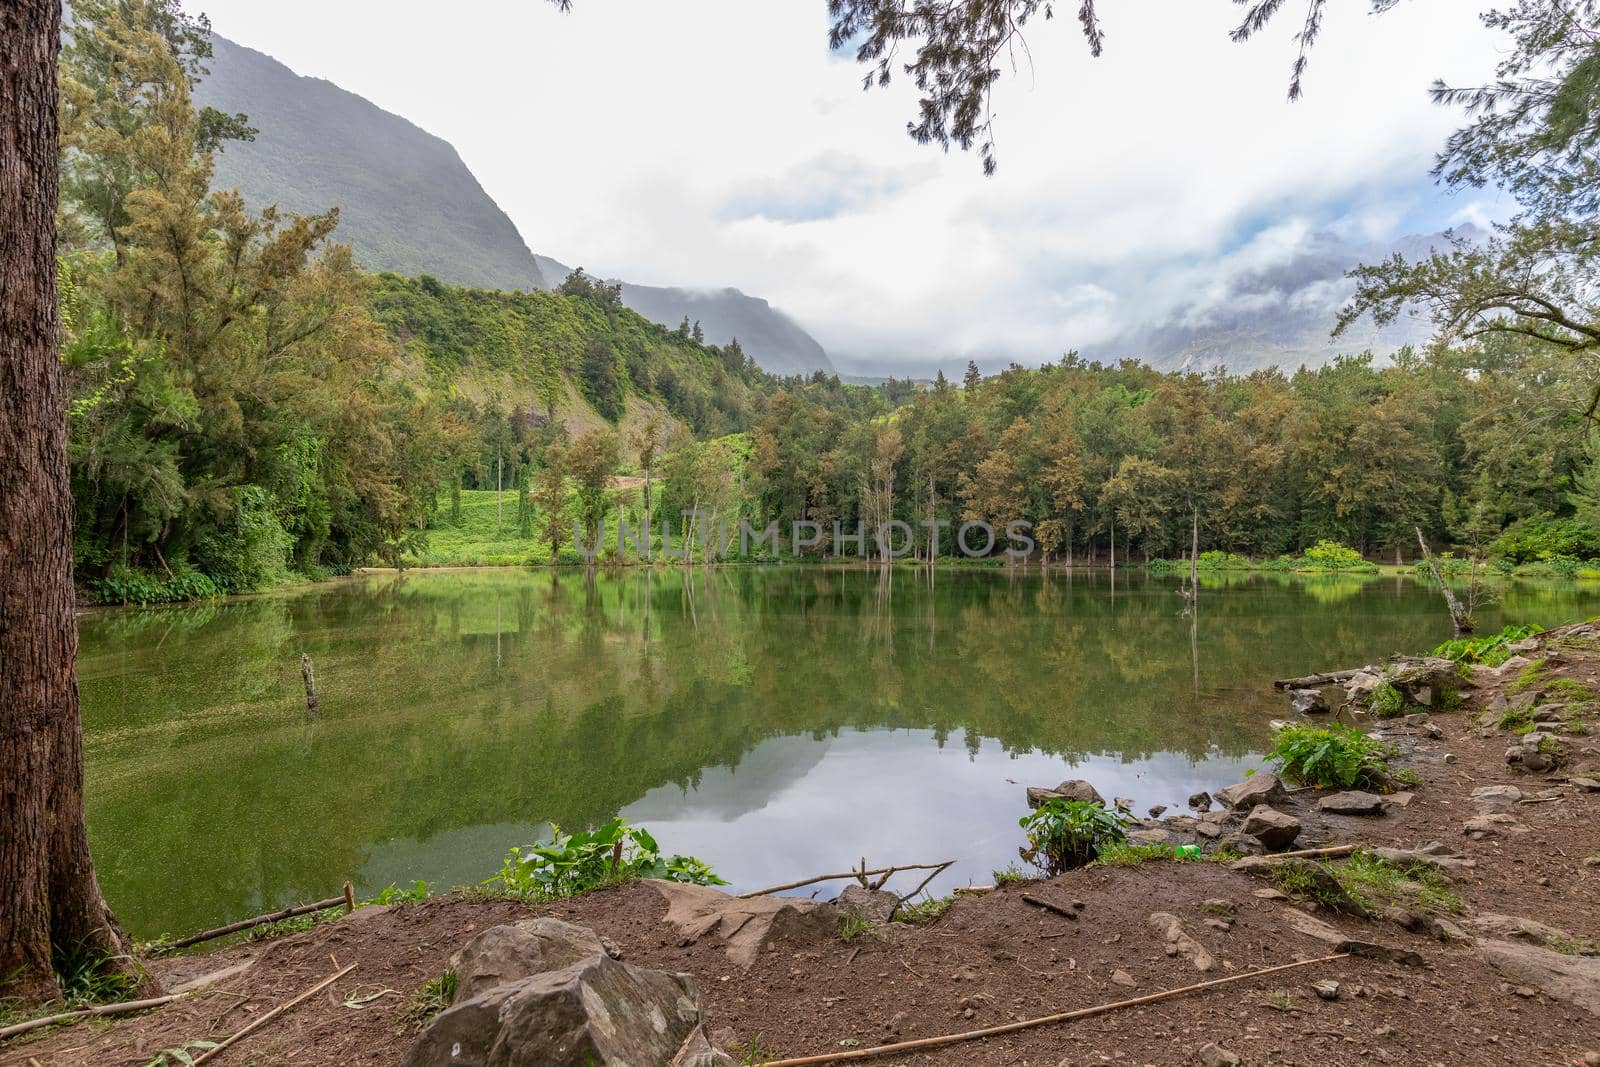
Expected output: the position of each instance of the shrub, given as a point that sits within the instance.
(127, 585)
(1491, 650)
(1063, 834)
(1387, 701)
(1331, 555)
(1330, 757)
(1547, 539)
(575, 863)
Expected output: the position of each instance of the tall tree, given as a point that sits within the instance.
(51, 909)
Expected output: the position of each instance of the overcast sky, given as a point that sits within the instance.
(718, 142)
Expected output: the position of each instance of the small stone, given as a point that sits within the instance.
(1200, 801)
(1260, 788)
(1273, 894)
(1449, 757)
(1383, 1031)
(1587, 785)
(1214, 1055)
(1591, 1059)
(1123, 978)
(1271, 827)
(1327, 989)
(1219, 924)
(1123, 804)
(1217, 906)
(1433, 731)
(1157, 810)
(1352, 802)
(1496, 796)
(1526, 992)
(1401, 799)
(1071, 789)
(1309, 702)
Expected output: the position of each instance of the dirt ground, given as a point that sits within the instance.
(993, 958)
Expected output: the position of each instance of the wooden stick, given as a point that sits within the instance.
(349, 898)
(1065, 913)
(311, 685)
(90, 1013)
(259, 920)
(859, 874)
(1331, 850)
(1028, 1024)
(921, 886)
(1317, 681)
(274, 1013)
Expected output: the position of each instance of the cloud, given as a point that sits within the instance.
(711, 143)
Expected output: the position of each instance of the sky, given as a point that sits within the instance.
(710, 143)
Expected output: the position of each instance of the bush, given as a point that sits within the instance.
(1547, 539)
(1490, 650)
(127, 585)
(1387, 701)
(250, 548)
(1331, 757)
(575, 863)
(1063, 834)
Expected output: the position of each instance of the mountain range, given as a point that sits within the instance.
(409, 204)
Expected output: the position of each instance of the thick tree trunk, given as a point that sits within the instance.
(51, 910)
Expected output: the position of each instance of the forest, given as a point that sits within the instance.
(249, 406)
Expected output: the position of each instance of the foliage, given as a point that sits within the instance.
(394, 894)
(1331, 757)
(1375, 882)
(1529, 676)
(1545, 539)
(1126, 855)
(1490, 649)
(576, 863)
(1011, 874)
(182, 1055)
(1063, 834)
(925, 912)
(435, 996)
(1387, 701)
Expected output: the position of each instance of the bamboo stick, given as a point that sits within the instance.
(259, 920)
(841, 877)
(274, 1013)
(1028, 1024)
(90, 1013)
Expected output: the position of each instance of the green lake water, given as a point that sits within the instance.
(775, 722)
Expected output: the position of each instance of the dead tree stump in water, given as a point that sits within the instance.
(311, 685)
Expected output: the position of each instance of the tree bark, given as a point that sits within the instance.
(51, 910)
(1459, 616)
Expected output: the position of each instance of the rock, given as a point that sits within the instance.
(1352, 802)
(1071, 789)
(1123, 804)
(1170, 927)
(1496, 797)
(1218, 906)
(1260, 788)
(1327, 989)
(1275, 830)
(592, 1010)
(1516, 928)
(1149, 837)
(1208, 830)
(877, 906)
(1493, 824)
(1123, 978)
(1573, 979)
(1214, 1055)
(1200, 801)
(1549, 713)
(1308, 702)
(520, 950)
(1401, 799)
(1243, 844)
(1587, 785)
(1183, 824)
(1358, 690)
(1432, 854)
(1449, 757)
(745, 927)
(1156, 811)
(1307, 877)
(1424, 679)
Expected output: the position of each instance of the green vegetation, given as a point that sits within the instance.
(752, 1052)
(1387, 701)
(853, 925)
(1330, 757)
(435, 996)
(181, 1055)
(925, 912)
(1011, 874)
(1126, 855)
(1374, 882)
(1529, 676)
(570, 864)
(392, 894)
(1063, 834)
(1490, 649)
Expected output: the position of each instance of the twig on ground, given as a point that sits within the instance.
(1065, 913)
(273, 1014)
(858, 875)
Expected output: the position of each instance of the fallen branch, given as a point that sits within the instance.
(347, 901)
(1028, 1024)
(920, 887)
(1317, 681)
(1065, 913)
(1459, 616)
(274, 1013)
(89, 1013)
(1331, 850)
(846, 875)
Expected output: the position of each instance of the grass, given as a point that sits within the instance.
(1491, 650)
(1012, 875)
(1374, 882)
(1126, 855)
(853, 925)
(925, 912)
(1530, 676)
(1571, 690)
(1518, 719)
(183, 1054)
(1387, 701)
(752, 1051)
(435, 996)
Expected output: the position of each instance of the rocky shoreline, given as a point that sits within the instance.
(1451, 915)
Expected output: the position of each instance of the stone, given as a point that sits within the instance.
(1212, 1054)
(1308, 702)
(1327, 989)
(1242, 843)
(1275, 830)
(1401, 799)
(1496, 797)
(1432, 854)
(1170, 927)
(1149, 837)
(1493, 824)
(1071, 789)
(1549, 713)
(592, 1010)
(1260, 788)
(1123, 804)
(515, 951)
(1156, 811)
(744, 926)
(1517, 928)
(877, 906)
(1352, 802)
(1359, 689)
(1587, 785)
(1123, 978)
(1200, 801)
(1310, 878)
(1183, 824)
(1209, 830)
(1573, 979)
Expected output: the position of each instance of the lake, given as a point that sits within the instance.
(776, 722)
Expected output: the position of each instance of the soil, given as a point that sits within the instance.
(993, 958)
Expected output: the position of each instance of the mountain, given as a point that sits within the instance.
(775, 340)
(408, 204)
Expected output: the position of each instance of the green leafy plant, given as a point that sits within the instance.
(1490, 649)
(182, 1055)
(1330, 757)
(575, 863)
(1011, 874)
(1387, 701)
(926, 911)
(1374, 881)
(435, 996)
(393, 894)
(1063, 834)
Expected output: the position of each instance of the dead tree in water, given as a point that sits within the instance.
(311, 684)
(1459, 616)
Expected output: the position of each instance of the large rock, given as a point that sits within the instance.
(744, 926)
(1071, 789)
(1260, 788)
(1271, 827)
(584, 1012)
(1574, 979)
(873, 905)
(1352, 802)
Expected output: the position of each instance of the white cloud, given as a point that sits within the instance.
(716, 142)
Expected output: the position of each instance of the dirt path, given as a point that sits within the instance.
(992, 959)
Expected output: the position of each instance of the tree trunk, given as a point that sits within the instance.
(1194, 557)
(1459, 616)
(51, 909)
